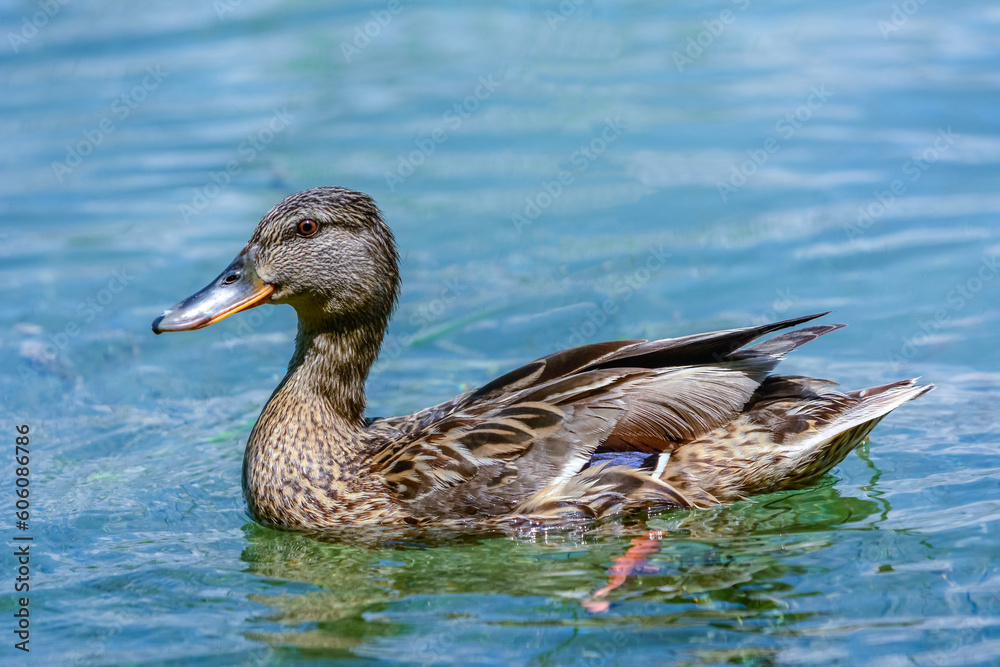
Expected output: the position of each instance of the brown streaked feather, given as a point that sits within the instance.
(551, 367)
(794, 431)
(782, 344)
(683, 351)
(548, 433)
(599, 491)
(678, 404)
(789, 405)
(703, 348)
(465, 447)
(686, 350)
(498, 484)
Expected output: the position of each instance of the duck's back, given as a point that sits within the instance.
(613, 426)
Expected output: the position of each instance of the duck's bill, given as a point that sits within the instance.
(237, 288)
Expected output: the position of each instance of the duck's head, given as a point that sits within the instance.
(325, 251)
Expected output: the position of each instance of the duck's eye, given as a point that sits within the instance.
(307, 227)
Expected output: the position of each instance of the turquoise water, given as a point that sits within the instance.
(721, 164)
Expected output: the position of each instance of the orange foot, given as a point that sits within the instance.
(633, 561)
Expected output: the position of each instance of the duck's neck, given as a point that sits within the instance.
(329, 369)
(310, 434)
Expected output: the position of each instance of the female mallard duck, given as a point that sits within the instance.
(583, 433)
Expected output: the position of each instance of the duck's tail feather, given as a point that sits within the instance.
(795, 431)
(817, 452)
(782, 344)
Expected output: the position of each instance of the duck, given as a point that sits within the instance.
(589, 432)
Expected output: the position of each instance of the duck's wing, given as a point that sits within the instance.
(704, 348)
(683, 351)
(541, 424)
(488, 458)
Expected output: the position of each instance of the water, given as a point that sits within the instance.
(739, 167)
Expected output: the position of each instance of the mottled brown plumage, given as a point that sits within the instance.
(579, 434)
